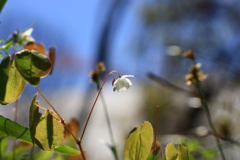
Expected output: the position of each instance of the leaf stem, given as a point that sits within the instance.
(48, 103)
(63, 122)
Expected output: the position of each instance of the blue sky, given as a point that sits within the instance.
(66, 18)
(73, 26)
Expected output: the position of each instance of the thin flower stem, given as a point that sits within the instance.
(205, 106)
(115, 72)
(108, 122)
(99, 91)
(90, 113)
(63, 122)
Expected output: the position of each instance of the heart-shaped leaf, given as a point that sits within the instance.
(11, 82)
(176, 154)
(34, 114)
(139, 142)
(17, 131)
(32, 65)
(46, 131)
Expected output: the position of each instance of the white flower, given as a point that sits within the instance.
(122, 83)
(26, 37)
(27, 32)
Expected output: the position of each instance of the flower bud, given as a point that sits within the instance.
(101, 66)
(189, 54)
(95, 76)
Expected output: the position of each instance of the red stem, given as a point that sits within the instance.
(90, 113)
(62, 121)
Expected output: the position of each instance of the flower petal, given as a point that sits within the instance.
(115, 85)
(128, 81)
(127, 76)
(122, 83)
(27, 32)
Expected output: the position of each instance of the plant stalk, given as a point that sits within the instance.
(94, 103)
(63, 122)
(206, 108)
(90, 113)
(209, 118)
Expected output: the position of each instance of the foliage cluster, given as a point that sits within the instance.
(29, 62)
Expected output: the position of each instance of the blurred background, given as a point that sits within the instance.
(141, 38)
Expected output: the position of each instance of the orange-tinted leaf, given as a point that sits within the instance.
(73, 125)
(23, 144)
(52, 57)
(33, 46)
(77, 157)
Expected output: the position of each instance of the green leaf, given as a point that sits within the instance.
(150, 156)
(22, 133)
(2, 3)
(8, 44)
(11, 82)
(18, 152)
(209, 153)
(32, 65)
(42, 155)
(3, 145)
(192, 145)
(176, 154)
(49, 132)
(139, 142)
(33, 115)
(171, 152)
(46, 131)
(183, 152)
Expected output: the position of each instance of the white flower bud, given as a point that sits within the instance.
(122, 83)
